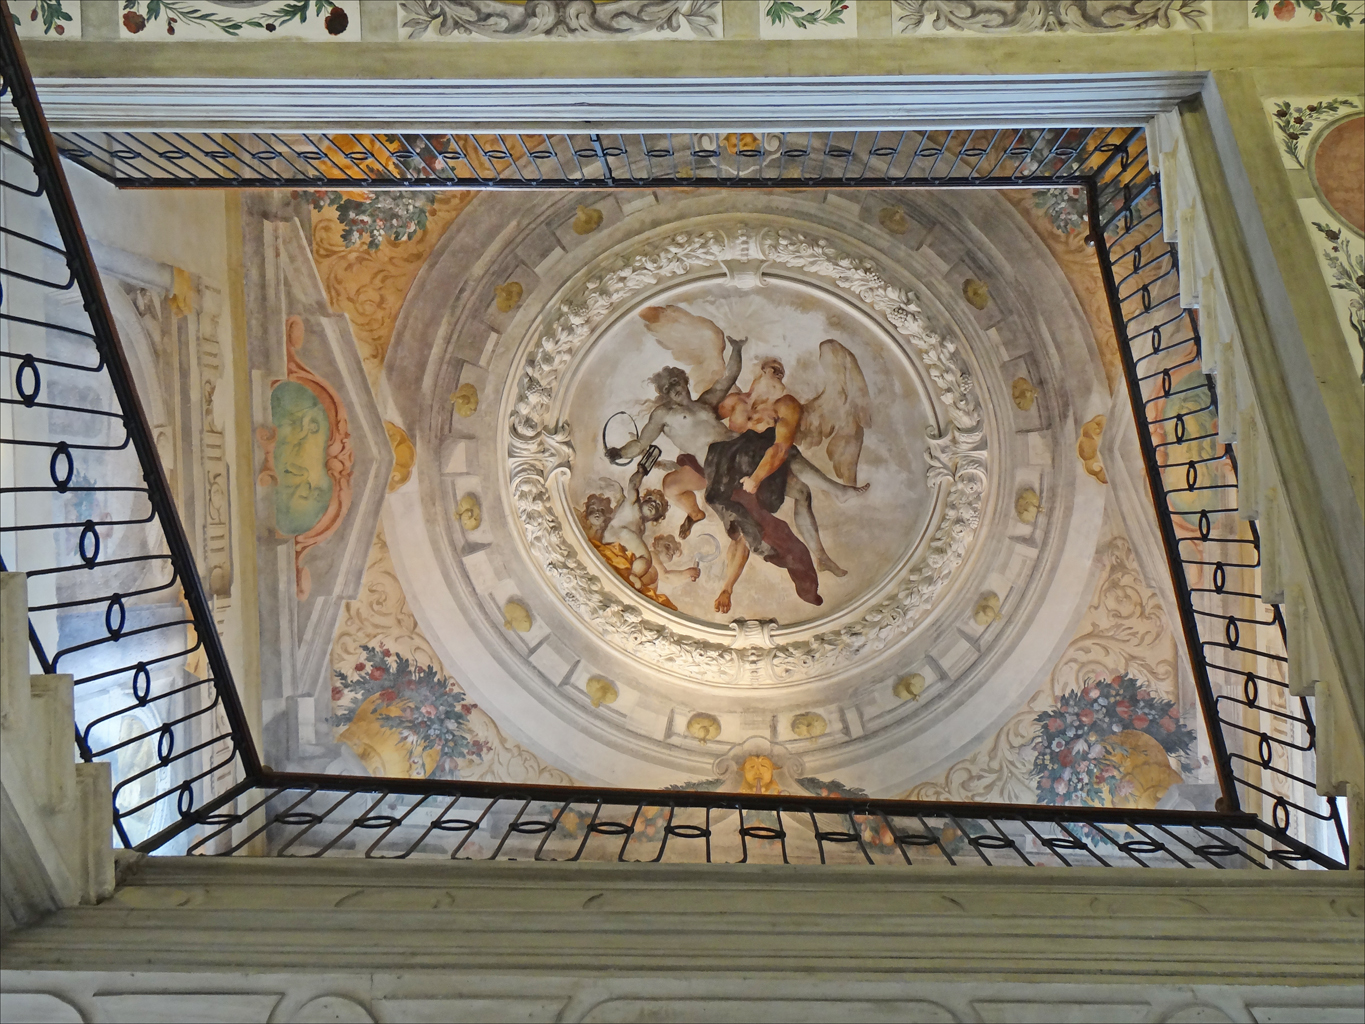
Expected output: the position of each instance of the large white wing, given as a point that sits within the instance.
(840, 412)
(693, 340)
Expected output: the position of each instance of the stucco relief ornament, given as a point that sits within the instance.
(538, 449)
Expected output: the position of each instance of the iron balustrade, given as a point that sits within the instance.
(394, 819)
(113, 588)
(85, 509)
(1002, 157)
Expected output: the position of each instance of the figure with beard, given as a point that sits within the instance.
(693, 424)
(746, 483)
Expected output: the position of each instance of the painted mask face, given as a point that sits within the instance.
(302, 435)
(758, 773)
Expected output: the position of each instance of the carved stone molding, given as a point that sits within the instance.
(537, 449)
(671, 930)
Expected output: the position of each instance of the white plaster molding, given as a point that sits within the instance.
(539, 449)
(696, 923)
(325, 994)
(56, 817)
(683, 104)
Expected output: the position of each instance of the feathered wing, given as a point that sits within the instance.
(840, 412)
(692, 340)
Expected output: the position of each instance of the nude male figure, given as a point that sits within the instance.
(693, 425)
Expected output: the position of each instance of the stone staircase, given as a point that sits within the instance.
(56, 816)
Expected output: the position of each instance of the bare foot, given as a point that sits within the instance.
(686, 528)
(842, 494)
(723, 602)
(829, 565)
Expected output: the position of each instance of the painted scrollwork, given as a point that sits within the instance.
(1124, 630)
(1018, 16)
(498, 19)
(538, 449)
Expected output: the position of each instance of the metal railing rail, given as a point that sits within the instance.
(1262, 737)
(999, 157)
(1262, 740)
(87, 511)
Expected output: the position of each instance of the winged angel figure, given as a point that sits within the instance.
(740, 449)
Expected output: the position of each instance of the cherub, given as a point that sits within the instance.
(616, 524)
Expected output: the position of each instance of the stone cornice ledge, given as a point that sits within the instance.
(683, 104)
(1007, 924)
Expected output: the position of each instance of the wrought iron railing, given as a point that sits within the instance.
(1263, 737)
(507, 160)
(109, 588)
(86, 513)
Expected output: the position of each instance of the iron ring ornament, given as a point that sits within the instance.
(538, 449)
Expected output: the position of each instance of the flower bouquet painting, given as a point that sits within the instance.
(403, 719)
(372, 217)
(1110, 744)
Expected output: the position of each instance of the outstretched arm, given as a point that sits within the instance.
(653, 427)
(788, 418)
(633, 488)
(712, 395)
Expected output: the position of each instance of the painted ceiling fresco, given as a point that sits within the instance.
(802, 491)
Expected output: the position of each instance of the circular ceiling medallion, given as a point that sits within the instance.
(688, 391)
(1337, 168)
(699, 417)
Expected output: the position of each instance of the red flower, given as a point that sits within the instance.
(1117, 681)
(1091, 693)
(1143, 695)
(1087, 716)
(1064, 758)
(1124, 709)
(1141, 721)
(132, 21)
(360, 666)
(1168, 724)
(1054, 724)
(336, 693)
(387, 696)
(1172, 712)
(1284, 10)
(1317, 16)
(377, 673)
(429, 710)
(336, 21)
